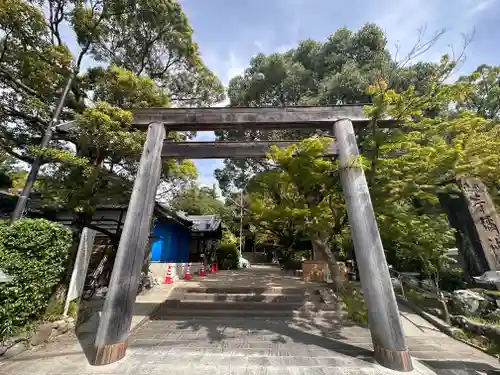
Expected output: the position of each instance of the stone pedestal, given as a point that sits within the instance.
(317, 270)
(314, 270)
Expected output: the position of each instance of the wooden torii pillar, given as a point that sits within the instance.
(388, 338)
(114, 326)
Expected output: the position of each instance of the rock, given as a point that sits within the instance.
(411, 282)
(62, 328)
(58, 323)
(43, 334)
(3, 349)
(429, 285)
(15, 350)
(493, 315)
(469, 302)
(396, 283)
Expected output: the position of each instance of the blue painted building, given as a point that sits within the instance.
(179, 238)
(170, 242)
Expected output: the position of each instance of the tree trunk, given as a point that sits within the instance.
(322, 252)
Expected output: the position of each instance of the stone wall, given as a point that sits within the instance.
(44, 333)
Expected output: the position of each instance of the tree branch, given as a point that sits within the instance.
(8, 149)
(9, 111)
(12, 79)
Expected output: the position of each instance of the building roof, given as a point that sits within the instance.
(109, 217)
(203, 223)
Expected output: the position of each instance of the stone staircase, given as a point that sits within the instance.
(201, 301)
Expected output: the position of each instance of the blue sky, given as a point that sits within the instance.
(230, 32)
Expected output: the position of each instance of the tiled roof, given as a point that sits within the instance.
(203, 223)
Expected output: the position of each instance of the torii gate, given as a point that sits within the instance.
(388, 338)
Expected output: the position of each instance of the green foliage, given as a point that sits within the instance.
(484, 96)
(297, 193)
(440, 143)
(353, 304)
(12, 176)
(34, 252)
(301, 198)
(228, 256)
(196, 200)
(6, 164)
(488, 345)
(228, 237)
(73, 309)
(337, 71)
(453, 279)
(146, 58)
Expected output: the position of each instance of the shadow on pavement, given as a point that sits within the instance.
(462, 367)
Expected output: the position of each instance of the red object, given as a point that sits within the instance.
(216, 267)
(202, 271)
(188, 271)
(168, 277)
(213, 268)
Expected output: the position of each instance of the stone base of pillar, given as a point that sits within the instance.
(395, 360)
(107, 354)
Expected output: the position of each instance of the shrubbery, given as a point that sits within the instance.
(228, 256)
(34, 252)
(453, 279)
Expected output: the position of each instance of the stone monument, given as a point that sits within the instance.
(485, 219)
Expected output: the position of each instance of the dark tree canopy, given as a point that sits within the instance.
(142, 55)
(337, 71)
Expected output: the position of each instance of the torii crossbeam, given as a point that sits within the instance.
(388, 338)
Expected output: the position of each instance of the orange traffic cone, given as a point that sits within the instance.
(168, 277)
(202, 271)
(188, 271)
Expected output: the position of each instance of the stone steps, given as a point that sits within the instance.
(243, 301)
(231, 305)
(172, 313)
(244, 297)
(242, 290)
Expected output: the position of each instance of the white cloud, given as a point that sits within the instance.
(401, 21)
(234, 67)
(480, 6)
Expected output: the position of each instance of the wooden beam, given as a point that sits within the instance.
(114, 325)
(201, 119)
(388, 338)
(223, 150)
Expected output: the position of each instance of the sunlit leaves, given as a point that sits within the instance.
(484, 95)
(301, 195)
(124, 89)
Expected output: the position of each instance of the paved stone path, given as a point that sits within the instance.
(234, 345)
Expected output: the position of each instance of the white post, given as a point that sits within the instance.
(241, 226)
(81, 266)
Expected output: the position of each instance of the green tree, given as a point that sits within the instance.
(435, 145)
(338, 71)
(146, 57)
(484, 97)
(196, 200)
(407, 166)
(300, 197)
(141, 53)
